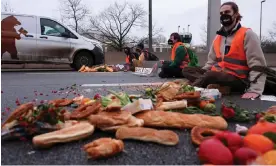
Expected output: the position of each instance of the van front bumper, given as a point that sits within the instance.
(99, 55)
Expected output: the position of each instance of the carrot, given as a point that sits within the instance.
(109, 69)
(209, 99)
(82, 68)
(96, 68)
(202, 104)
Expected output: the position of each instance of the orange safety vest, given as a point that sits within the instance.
(186, 60)
(127, 59)
(234, 62)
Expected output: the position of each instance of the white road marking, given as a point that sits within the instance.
(123, 84)
(51, 73)
(86, 73)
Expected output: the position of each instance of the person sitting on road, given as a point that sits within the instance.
(130, 56)
(144, 55)
(234, 52)
(179, 58)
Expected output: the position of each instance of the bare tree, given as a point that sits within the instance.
(73, 11)
(272, 32)
(203, 34)
(6, 7)
(114, 23)
(160, 39)
(156, 31)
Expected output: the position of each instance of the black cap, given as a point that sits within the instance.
(141, 46)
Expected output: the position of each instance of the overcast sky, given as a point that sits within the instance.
(166, 15)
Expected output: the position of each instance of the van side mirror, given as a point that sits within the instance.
(65, 34)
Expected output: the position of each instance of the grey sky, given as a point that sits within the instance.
(168, 14)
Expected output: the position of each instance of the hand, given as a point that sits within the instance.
(250, 95)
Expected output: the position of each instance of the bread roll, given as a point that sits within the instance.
(103, 147)
(179, 120)
(165, 137)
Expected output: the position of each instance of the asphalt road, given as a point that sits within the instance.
(42, 86)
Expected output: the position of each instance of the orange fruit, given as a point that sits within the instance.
(259, 143)
(270, 157)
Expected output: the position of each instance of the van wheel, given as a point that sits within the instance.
(83, 58)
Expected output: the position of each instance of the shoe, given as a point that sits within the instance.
(224, 90)
(162, 75)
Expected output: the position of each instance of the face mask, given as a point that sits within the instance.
(226, 20)
(170, 42)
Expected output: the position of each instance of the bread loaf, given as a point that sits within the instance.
(19, 111)
(165, 137)
(108, 119)
(179, 120)
(68, 134)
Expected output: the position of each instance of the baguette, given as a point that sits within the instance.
(179, 120)
(68, 134)
(19, 111)
(103, 148)
(109, 119)
(165, 137)
(172, 105)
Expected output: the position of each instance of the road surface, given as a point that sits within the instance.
(41, 86)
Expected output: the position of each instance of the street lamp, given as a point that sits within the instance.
(150, 25)
(261, 19)
(178, 28)
(188, 27)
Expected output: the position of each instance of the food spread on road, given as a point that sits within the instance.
(149, 117)
(101, 68)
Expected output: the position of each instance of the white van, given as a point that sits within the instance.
(27, 38)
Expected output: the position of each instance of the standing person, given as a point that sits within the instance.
(179, 58)
(234, 52)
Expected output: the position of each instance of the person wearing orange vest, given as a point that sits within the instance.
(179, 58)
(130, 56)
(235, 50)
